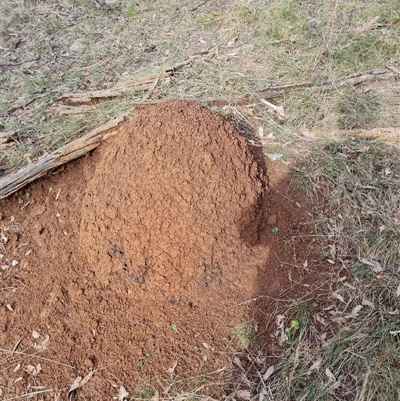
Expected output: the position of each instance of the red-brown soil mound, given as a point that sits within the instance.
(136, 262)
(174, 208)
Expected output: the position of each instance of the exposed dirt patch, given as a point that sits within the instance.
(143, 256)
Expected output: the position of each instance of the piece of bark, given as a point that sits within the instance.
(79, 147)
(388, 135)
(62, 109)
(391, 135)
(88, 98)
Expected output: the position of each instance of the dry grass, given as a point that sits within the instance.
(73, 47)
(350, 350)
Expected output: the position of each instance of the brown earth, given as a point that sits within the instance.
(136, 262)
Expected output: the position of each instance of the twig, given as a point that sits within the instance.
(75, 99)
(299, 205)
(22, 106)
(9, 65)
(199, 5)
(278, 110)
(28, 394)
(15, 181)
(151, 81)
(36, 356)
(151, 90)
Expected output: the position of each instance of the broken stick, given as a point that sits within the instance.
(81, 146)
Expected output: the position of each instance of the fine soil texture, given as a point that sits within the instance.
(134, 264)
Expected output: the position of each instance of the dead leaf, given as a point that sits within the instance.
(43, 345)
(354, 312)
(274, 156)
(320, 319)
(338, 296)
(278, 110)
(279, 320)
(244, 394)
(86, 378)
(365, 302)
(79, 382)
(33, 370)
(156, 396)
(398, 291)
(339, 320)
(14, 263)
(35, 334)
(351, 287)
(336, 385)
(280, 329)
(16, 346)
(322, 338)
(122, 394)
(17, 367)
(263, 393)
(75, 385)
(330, 374)
(3, 238)
(269, 373)
(315, 366)
(237, 362)
(171, 370)
(376, 266)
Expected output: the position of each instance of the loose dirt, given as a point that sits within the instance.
(136, 262)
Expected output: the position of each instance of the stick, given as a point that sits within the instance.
(391, 135)
(153, 87)
(87, 98)
(28, 395)
(151, 81)
(15, 181)
(22, 106)
(9, 65)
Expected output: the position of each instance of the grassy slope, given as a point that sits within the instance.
(78, 47)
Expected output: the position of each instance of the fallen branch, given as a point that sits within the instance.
(7, 140)
(15, 181)
(10, 65)
(88, 98)
(62, 109)
(153, 86)
(22, 106)
(150, 82)
(389, 135)
(224, 101)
